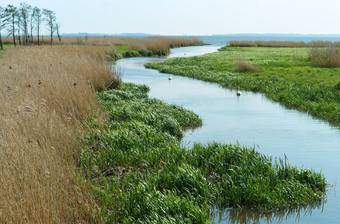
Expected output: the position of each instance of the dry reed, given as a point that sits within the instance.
(325, 57)
(282, 44)
(243, 66)
(147, 43)
(45, 92)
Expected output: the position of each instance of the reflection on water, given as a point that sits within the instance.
(241, 216)
(250, 120)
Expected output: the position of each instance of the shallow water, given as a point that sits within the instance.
(250, 120)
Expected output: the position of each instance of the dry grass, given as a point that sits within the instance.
(45, 92)
(325, 57)
(282, 44)
(150, 43)
(243, 66)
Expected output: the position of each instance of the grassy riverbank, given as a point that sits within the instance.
(46, 92)
(141, 174)
(285, 75)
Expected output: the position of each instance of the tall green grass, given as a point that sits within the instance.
(140, 174)
(286, 76)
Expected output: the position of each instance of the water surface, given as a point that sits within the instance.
(250, 120)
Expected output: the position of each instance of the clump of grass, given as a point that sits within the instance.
(325, 57)
(243, 66)
(141, 174)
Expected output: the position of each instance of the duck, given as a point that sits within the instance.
(238, 93)
(170, 78)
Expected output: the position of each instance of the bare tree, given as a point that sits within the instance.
(11, 13)
(57, 27)
(17, 24)
(37, 14)
(31, 18)
(2, 16)
(50, 19)
(24, 14)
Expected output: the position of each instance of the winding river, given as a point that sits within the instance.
(250, 120)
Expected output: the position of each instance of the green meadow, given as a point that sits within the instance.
(284, 75)
(139, 173)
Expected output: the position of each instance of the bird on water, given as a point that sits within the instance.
(238, 93)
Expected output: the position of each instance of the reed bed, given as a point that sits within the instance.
(157, 45)
(141, 174)
(283, 44)
(325, 57)
(45, 93)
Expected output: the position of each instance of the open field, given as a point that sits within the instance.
(140, 174)
(285, 75)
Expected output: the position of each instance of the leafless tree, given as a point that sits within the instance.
(10, 18)
(2, 17)
(38, 18)
(50, 19)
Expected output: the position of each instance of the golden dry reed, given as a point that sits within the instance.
(147, 43)
(283, 44)
(45, 92)
(243, 66)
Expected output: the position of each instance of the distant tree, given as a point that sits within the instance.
(57, 27)
(10, 18)
(2, 17)
(17, 24)
(50, 19)
(38, 18)
(24, 13)
(31, 19)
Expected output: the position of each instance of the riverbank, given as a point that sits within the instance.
(140, 173)
(46, 92)
(284, 74)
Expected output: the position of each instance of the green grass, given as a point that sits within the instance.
(285, 75)
(140, 174)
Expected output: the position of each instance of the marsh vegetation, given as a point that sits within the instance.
(46, 93)
(79, 146)
(141, 174)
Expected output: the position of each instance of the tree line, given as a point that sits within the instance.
(24, 22)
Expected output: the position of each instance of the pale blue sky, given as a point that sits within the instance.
(194, 17)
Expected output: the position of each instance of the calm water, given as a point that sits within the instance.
(254, 121)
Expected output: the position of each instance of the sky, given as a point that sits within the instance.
(193, 17)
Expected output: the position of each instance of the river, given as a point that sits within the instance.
(250, 120)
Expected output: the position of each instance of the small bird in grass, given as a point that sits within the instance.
(238, 93)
